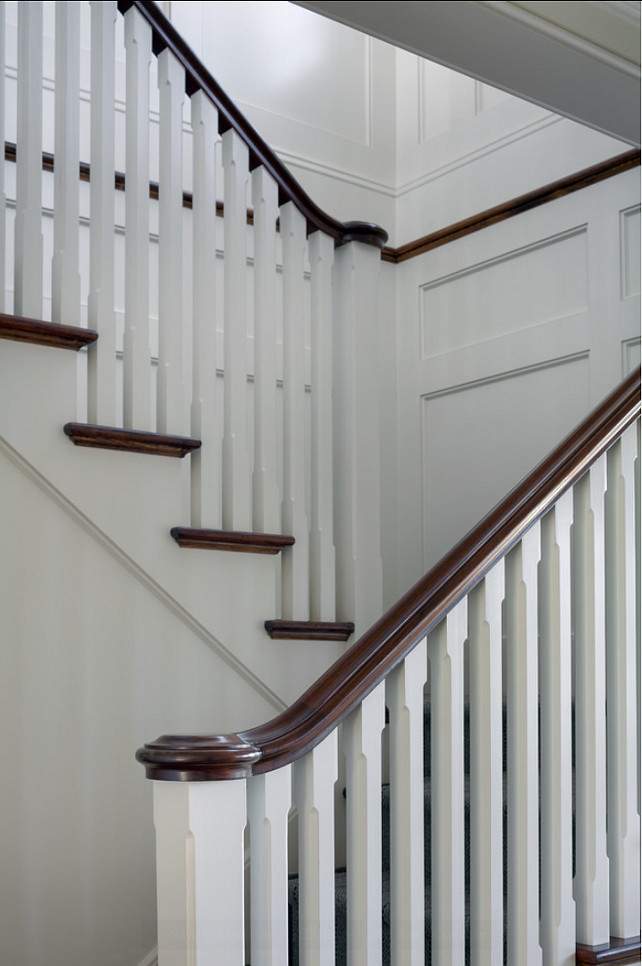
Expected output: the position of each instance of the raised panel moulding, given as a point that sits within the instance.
(538, 283)
(630, 252)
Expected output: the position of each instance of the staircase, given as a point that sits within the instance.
(491, 686)
(531, 610)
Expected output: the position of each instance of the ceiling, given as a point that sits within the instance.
(580, 59)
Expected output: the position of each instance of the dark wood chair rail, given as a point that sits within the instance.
(344, 685)
(197, 77)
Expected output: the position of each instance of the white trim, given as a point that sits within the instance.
(564, 36)
(506, 374)
(141, 575)
(517, 135)
(151, 959)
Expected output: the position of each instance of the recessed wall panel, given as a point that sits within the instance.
(539, 283)
(630, 252)
(478, 441)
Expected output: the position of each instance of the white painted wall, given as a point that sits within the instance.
(374, 132)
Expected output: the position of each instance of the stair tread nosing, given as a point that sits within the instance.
(238, 541)
(309, 630)
(130, 440)
(37, 332)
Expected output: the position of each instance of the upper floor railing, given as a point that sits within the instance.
(238, 332)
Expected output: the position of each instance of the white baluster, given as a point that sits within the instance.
(296, 604)
(171, 400)
(65, 274)
(362, 744)
(314, 778)
(591, 885)
(446, 654)
(3, 199)
(405, 700)
(557, 930)
(486, 771)
(101, 375)
(205, 462)
(522, 751)
(136, 360)
(623, 841)
(322, 558)
(267, 509)
(28, 228)
(357, 451)
(269, 798)
(200, 872)
(236, 464)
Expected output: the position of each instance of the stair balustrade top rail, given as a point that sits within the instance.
(197, 77)
(346, 683)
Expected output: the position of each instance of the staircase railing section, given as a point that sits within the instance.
(209, 275)
(523, 643)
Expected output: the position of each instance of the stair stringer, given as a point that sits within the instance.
(134, 500)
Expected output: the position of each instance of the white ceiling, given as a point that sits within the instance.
(580, 59)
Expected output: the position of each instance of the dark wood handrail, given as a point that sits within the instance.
(344, 685)
(197, 77)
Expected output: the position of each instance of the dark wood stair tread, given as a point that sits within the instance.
(309, 630)
(616, 952)
(19, 329)
(130, 440)
(237, 540)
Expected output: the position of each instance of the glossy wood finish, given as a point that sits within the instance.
(516, 206)
(45, 333)
(284, 630)
(199, 78)
(344, 685)
(617, 952)
(236, 540)
(130, 440)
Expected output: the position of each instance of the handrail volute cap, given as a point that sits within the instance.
(198, 757)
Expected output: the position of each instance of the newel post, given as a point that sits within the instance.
(200, 872)
(200, 814)
(357, 375)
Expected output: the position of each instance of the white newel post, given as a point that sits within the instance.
(200, 872)
(101, 363)
(357, 509)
